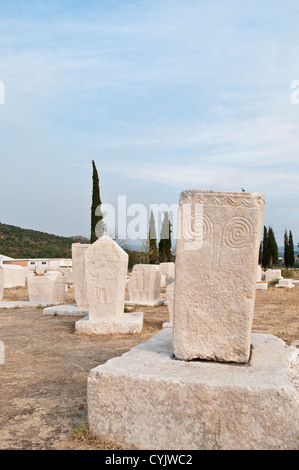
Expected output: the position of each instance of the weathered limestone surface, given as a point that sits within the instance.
(44, 289)
(149, 399)
(144, 285)
(106, 265)
(216, 260)
(14, 276)
(1, 282)
(79, 280)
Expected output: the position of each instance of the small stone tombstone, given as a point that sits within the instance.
(106, 265)
(216, 258)
(144, 284)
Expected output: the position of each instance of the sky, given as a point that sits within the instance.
(164, 96)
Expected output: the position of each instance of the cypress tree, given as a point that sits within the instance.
(153, 249)
(97, 225)
(266, 257)
(286, 250)
(272, 247)
(291, 250)
(165, 240)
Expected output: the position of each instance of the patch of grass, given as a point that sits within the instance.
(273, 282)
(287, 273)
(81, 433)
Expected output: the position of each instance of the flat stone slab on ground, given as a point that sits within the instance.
(287, 283)
(67, 310)
(129, 323)
(146, 304)
(151, 400)
(23, 304)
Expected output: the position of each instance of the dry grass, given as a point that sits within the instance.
(43, 398)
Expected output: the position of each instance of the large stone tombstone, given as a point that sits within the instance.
(78, 266)
(144, 285)
(1, 282)
(216, 258)
(106, 265)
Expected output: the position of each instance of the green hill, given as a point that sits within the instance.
(17, 242)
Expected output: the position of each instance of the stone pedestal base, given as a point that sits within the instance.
(148, 399)
(167, 324)
(129, 323)
(68, 310)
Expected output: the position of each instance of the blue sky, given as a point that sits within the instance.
(164, 95)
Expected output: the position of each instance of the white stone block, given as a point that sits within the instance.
(44, 289)
(287, 283)
(168, 269)
(150, 400)
(144, 285)
(163, 282)
(272, 274)
(216, 259)
(79, 279)
(14, 276)
(262, 285)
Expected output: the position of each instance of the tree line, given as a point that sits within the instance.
(152, 252)
(268, 256)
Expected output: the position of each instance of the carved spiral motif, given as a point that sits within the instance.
(238, 231)
(192, 223)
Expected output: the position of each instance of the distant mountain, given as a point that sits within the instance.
(21, 243)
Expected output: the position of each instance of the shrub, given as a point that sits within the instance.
(287, 273)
